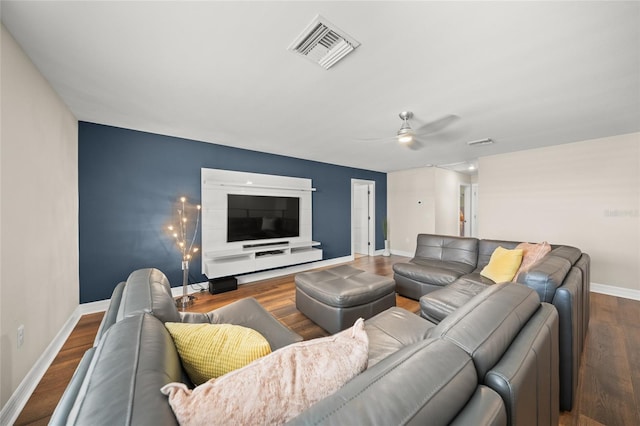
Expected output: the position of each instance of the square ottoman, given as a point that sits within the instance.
(335, 298)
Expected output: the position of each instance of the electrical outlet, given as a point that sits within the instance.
(20, 335)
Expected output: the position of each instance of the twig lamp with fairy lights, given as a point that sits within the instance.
(184, 232)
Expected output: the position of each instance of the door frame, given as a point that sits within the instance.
(468, 209)
(372, 214)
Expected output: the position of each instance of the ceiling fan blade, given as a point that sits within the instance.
(436, 125)
(415, 145)
(383, 139)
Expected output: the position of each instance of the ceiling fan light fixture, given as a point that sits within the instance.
(405, 134)
(405, 137)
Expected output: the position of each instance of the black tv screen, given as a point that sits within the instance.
(258, 217)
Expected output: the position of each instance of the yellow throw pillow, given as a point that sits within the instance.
(503, 265)
(210, 350)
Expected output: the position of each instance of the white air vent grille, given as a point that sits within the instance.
(323, 43)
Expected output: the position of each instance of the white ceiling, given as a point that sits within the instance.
(526, 74)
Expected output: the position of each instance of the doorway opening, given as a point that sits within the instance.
(467, 210)
(363, 217)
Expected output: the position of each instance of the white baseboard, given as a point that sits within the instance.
(611, 290)
(402, 253)
(93, 307)
(19, 398)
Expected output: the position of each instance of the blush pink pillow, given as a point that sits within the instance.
(276, 388)
(531, 253)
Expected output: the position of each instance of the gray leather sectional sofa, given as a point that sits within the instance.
(494, 361)
(445, 274)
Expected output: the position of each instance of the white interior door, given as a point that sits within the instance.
(362, 217)
(361, 220)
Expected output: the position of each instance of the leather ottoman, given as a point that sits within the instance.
(335, 298)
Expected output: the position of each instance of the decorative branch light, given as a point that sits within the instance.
(185, 243)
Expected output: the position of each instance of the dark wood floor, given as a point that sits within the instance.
(609, 382)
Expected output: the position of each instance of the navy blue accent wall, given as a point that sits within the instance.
(129, 182)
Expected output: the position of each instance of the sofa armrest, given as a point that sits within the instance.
(68, 399)
(428, 382)
(134, 359)
(526, 377)
(249, 313)
(568, 302)
(110, 316)
(546, 276)
(484, 408)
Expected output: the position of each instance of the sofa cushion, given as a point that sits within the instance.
(211, 350)
(393, 329)
(486, 325)
(249, 313)
(277, 387)
(503, 265)
(447, 249)
(437, 305)
(475, 278)
(432, 271)
(531, 253)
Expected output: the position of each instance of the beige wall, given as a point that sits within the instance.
(421, 201)
(585, 194)
(38, 215)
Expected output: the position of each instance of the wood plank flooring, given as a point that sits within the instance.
(609, 381)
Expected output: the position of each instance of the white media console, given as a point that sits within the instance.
(221, 258)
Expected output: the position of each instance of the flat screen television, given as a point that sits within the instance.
(260, 217)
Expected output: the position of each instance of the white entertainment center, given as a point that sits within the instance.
(222, 257)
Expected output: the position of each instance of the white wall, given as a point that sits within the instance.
(38, 215)
(421, 201)
(585, 194)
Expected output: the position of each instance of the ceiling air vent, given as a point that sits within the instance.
(323, 43)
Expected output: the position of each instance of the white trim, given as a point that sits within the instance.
(93, 307)
(246, 185)
(402, 253)
(21, 395)
(258, 276)
(611, 290)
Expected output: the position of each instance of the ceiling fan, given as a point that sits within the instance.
(409, 137)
